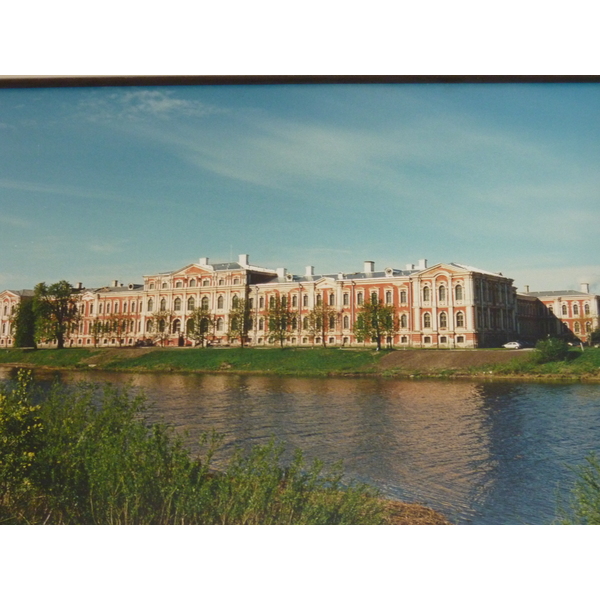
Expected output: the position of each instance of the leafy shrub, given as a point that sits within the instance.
(585, 505)
(80, 457)
(552, 349)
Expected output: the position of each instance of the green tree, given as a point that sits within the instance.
(97, 329)
(279, 318)
(116, 325)
(595, 336)
(23, 321)
(201, 325)
(374, 321)
(56, 312)
(238, 321)
(551, 350)
(319, 321)
(162, 321)
(584, 507)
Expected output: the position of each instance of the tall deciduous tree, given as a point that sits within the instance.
(162, 321)
(238, 321)
(56, 312)
(319, 321)
(374, 321)
(201, 326)
(279, 318)
(23, 321)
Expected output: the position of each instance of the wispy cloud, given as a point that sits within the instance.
(14, 221)
(106, 247)
(138, 105)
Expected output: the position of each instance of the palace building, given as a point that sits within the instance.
(447, 305)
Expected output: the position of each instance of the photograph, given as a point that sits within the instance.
(298, 300)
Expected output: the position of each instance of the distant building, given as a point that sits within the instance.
(447, 305)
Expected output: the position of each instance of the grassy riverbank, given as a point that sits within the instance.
(317, 362)
(71, 457)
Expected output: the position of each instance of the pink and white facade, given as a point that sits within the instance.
(447, 305)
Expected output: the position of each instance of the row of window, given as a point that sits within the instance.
(458, 293)
(565, 310)
(192, 283)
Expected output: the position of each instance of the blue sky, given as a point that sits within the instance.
(99, 184)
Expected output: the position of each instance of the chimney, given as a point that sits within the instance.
(422, 264)
(340, 276)
(527, 289)
(203, 261)
(115, 283)
(585, 288)
(310, 271)
(369, 266)
(410, 267)
(281, 271)
(243, 259)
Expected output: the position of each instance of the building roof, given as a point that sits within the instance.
(556, 293)
(22, 292)
(476, 270)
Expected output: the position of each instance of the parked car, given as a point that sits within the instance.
(513, 345)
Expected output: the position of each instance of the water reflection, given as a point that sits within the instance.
(490, 452)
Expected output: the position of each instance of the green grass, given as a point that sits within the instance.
(576, 364)
(289, 361)
(76, 458)
(47, 357)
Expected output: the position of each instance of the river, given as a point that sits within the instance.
(480, 452)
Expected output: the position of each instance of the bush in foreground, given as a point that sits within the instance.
(585, 503)
(72, 457)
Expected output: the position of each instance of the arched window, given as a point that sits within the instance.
(359, 298)
(163, 304)
(575, 309)
(235, 302)
(124, 307)
(346, 322)
(221, 282)
(564, 310)
(404, 321)
(388, 297)
(261, 302)
(161, 325)
(588, 327)
(319, 300)
(150, 305)
(403, 296)
(272, 302)
(586, 309)
(192, 284)
(443, 320)
(176, 326)
(151, 286)
(250, 323)
(305, 300)
(305, 323)
(294, 301)
(179, 284)
(219, 324)
(220, 302)
(374, 299)
(576, 327)
(294, 323)
(283, 301)
(458, 292)
(177, 304)
(426, 296)
(346, 299)
(204, 303)
(236, 281)
(149, 326)
(460, 319)
(189, 326)
(163, 286)
(261, 324)
(205, 282)
(331, 299)
(331, 322)
(426, 320)
(233, 325)
(250, 303)
(442, 293)
(191, 303)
